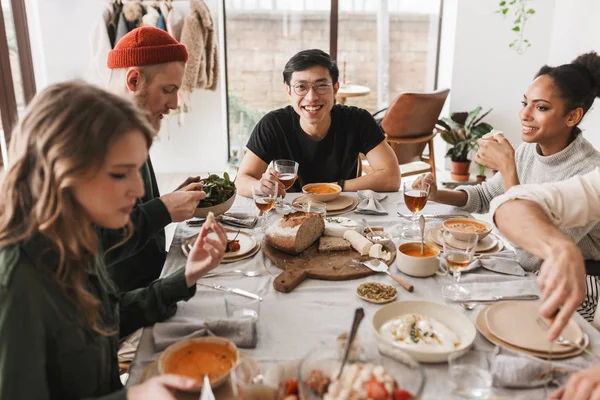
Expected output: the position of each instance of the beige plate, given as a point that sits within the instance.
(514, 322)
(341, 202)
(489, 245)
(186, 251)
(482, 327)
(376, 301)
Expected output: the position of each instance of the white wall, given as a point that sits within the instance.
(60, 34)
(486, 72)
(576, 32)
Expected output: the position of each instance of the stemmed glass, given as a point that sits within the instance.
(458, 259)
(415, 200)
(264, 202)
(288, 173)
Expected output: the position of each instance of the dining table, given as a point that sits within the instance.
(317, 311)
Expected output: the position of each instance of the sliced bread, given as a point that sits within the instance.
(330, 243)
(295, 232)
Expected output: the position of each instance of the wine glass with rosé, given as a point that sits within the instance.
(415, 200)
(288, 173)
(264, 202)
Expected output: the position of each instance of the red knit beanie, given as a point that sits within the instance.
(146, 46)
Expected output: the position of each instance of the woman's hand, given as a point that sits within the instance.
(419, 184)
(268, 181)
(206, 253)
(497, 154)
(582, 385)
(160, 387)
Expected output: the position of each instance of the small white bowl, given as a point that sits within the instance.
(419, 266)
(306, 189)
(379, 237)
(452, 318)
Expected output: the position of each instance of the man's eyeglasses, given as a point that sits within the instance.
(302, 88)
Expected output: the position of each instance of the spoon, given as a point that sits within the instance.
(235, 271)
(364, 221)
(422, 226)
(566, 342)
(359, 314)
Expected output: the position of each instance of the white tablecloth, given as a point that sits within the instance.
(317, 311)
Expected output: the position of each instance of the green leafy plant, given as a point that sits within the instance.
(521, 13)
(462, 130)
(218, 190)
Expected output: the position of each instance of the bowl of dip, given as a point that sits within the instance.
(322, 191)
(461, 228)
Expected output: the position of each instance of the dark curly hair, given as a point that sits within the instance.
(577, 82)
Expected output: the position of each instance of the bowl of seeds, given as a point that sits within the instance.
(375, 292)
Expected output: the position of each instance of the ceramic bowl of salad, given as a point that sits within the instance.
(220, 195)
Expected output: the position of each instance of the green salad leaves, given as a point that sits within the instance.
(218, 190)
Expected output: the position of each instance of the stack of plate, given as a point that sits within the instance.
(249, 246)
(513, 325)
(490, 244)
(342, 204)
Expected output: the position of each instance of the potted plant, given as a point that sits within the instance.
(461, 131)
(481, 174)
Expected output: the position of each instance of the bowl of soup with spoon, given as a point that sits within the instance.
(196, 357)
(461, 228)
(411, 261)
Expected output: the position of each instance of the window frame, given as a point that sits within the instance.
(333, 47)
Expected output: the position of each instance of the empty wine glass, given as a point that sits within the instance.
(415, 200)
(264, 202)
(457, 257)
(288, 173)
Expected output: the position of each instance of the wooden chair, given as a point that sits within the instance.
(408, 126)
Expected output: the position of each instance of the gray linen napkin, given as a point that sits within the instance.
(370, 202)
(510, 369)
(505, 265)
(241, 332)
(239, 219)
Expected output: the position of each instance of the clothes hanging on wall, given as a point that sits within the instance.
(198, 35)
(175, 23)
(100, 45)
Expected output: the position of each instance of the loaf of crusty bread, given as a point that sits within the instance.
(295, 232)
(330, 243)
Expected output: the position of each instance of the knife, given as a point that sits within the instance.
(440, 216)
(222, 288)
(496, 298)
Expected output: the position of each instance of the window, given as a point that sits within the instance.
(17, 85)
(389, 46)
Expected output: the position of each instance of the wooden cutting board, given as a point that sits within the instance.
(329, 266)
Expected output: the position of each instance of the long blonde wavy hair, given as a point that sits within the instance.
(63, 138)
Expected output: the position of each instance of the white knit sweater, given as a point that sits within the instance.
(577, 158)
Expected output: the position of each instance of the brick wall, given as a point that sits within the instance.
(259, 45)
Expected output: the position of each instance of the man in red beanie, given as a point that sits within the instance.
(147, 67)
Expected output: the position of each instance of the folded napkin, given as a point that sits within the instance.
(511, 369)
(503, 262)
(241, 332)
(239, 219)
(370, 202)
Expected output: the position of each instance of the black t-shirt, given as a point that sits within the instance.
(278, 135)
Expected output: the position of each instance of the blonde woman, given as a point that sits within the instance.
(75, 162)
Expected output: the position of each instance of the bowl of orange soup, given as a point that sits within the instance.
(410, 260)
(322, 191)
(460, 228)
(213, 356)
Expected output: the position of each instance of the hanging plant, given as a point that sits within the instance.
(519, 9)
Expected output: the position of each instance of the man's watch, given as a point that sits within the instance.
(341, 182)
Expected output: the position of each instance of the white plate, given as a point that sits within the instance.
(247, 243)
(452, 318)
(488, 243)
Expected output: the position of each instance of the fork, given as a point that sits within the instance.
(235, 271)
(566, 342)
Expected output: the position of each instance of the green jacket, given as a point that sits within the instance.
(46, 351)
(150, 216)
